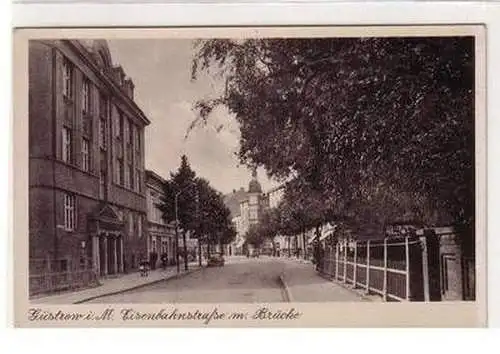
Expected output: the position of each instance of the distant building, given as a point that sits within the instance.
(232, 202)
(275, 196)
(250, 205)
(86, 158)
(161, 238)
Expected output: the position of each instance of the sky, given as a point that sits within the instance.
(161, 72)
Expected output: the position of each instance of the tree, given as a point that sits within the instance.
(379, 127)
(181, 187)
(269, 224)
(254, 236)
(214, 217)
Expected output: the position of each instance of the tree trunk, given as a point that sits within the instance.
(296, 245)
(304, 244)
(288, 239)
(199, 250)
(185, 250)
(208, 249)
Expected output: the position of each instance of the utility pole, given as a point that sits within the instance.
(198, 224)
(177, 233)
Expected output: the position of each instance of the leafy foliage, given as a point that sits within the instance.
(254, 236)
(214, 217)
(377, 128)
(200, 208)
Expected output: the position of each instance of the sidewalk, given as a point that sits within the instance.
(116, 285)
(303, 284)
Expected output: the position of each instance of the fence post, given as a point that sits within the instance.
(345, 261)
(354, 276)
(368, 266)
(407, 264)
(336, 260)
(384, 290)
(425, 269)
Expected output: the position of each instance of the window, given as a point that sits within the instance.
(160, 216)
(103, 106)
(153, 243)
(127, 178)
(119, 172)
(69, 212)
(137, 139)
(85, 154)
(121, 125)
(138, 180)
(67, 79)
(130, 223)
(102, 186)
(131, 176)
(126, 131)
(139, 226)
(102, 133)
(132, 133)
(103, 169)
(66, 145)
(86, 107)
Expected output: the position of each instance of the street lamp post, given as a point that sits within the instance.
(177, 233)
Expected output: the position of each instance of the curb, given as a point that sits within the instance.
(286, 290)
(173, 276)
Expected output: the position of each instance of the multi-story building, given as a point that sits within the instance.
(161, 238)
(251, 206)
(275, 196)
(233, 201)
(86, 136)
(245, 207)
(273, 199)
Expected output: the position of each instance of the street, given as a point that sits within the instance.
(244, 280)
(240, 280)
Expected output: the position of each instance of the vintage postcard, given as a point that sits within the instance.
(250, 177)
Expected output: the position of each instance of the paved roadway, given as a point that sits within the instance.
(240, 280)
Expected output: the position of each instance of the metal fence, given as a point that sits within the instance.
(52, 275)
(384, 267)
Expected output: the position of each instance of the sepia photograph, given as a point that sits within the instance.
(313, 166)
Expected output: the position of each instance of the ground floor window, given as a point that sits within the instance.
(69, 211)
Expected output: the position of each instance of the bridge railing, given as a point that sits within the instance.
(385, 267)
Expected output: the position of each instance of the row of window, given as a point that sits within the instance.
(127, 133)
(67, 149)
(70, 217)
(164, 246)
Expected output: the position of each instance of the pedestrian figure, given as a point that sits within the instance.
(164, 260)
(144, 268)
(316, 255)
(153, 258)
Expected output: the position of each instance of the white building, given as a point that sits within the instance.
(275, 196)
(245, 207)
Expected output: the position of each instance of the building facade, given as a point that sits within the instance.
(161, 236)
(86, 161)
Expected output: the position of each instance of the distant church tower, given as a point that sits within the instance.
(254, 195)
